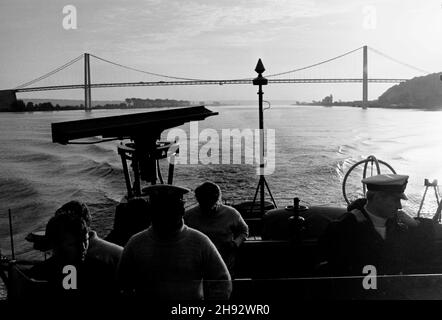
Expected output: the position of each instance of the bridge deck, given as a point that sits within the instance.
(205, 82)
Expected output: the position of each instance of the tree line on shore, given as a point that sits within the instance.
(130, 103)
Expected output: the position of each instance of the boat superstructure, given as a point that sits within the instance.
(282, 253)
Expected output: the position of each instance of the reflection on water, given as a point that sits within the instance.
(315, 146)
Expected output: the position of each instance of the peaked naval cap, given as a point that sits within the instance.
(392, 183)
(165, 191)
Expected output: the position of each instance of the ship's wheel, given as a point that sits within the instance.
(370, 164)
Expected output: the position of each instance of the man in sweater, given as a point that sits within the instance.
(170, 261)
(222, 224)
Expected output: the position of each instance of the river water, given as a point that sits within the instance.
(314, 147)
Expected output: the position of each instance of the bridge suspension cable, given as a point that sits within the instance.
(182, 80)
(145, 72)
(71, 62)
(313, 65)
(399, 62)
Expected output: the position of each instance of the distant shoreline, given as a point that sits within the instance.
(372, 106)
(61, 109)
(128, 103)
(133, 104)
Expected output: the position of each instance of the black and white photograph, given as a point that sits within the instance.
(220, 159)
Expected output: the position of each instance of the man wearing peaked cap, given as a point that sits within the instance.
(167, 207)
(384, 195)
(394, 183)
(165, 190)
(375, 231)
(170, 261)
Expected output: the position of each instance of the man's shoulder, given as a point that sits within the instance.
(139, 237)
(356, 215)
(102, 249)
(350, 225)
(96, 242)
(349, 220)
(195, 234)
(228, 210)
(192, 212)
(198, 237)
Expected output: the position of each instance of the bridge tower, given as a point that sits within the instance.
(87, 83)
(365, 78)
(8, 99)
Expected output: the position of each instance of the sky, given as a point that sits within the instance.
(207, 39)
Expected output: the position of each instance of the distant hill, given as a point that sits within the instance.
(420, 92)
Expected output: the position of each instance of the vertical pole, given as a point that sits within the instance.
(436, 190)
(260, 81)
(11, 235)
(136, 168)
(122, 153)
(365, 78)
(87, 83)
(171, 169)
(422, 202)
(261, 154)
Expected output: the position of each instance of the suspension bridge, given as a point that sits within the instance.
(168, 80)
